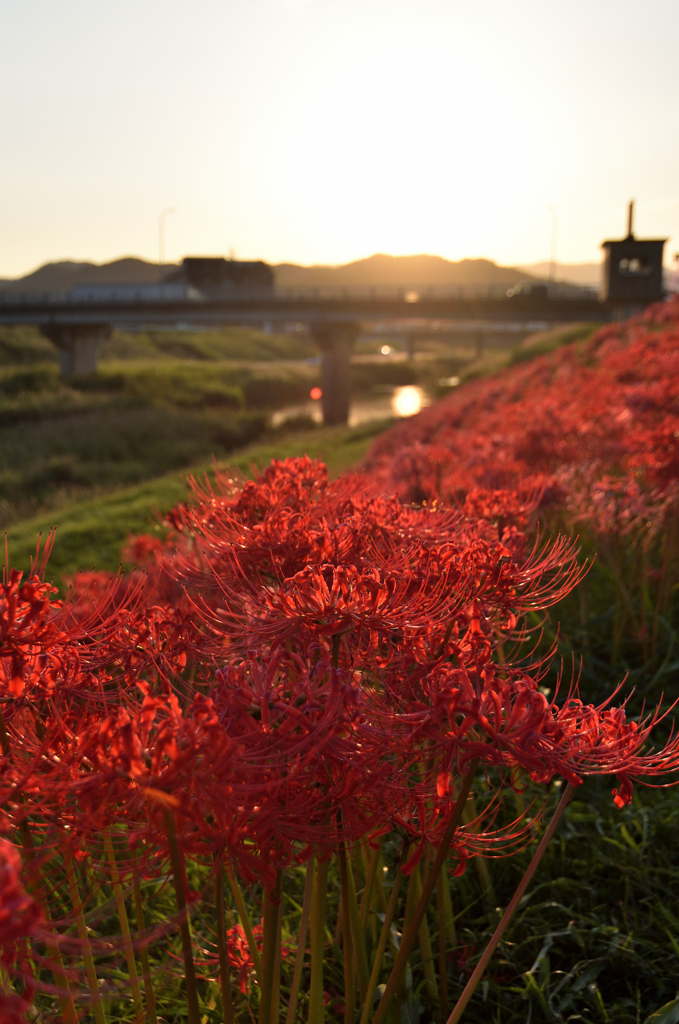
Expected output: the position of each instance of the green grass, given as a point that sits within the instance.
(231, 343)
(164, 400)
(38, 392)
(534, 345)
(594, 939)
(48, 463)
(91, 533)
(64, 440)
(26, 345)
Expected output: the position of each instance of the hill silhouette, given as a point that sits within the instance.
(380, 269)
(67, 273)
(398, 271)
(588, 274)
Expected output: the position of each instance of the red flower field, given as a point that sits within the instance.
(330, 693)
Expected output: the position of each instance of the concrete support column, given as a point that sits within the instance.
(410, 347)
(79, 346)
(335, 340)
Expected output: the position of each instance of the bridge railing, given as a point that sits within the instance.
(129, 295)
(419, 293)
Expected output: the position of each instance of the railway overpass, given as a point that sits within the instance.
(79, 322)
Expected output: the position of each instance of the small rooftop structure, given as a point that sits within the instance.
(633, 273)
(216, 276)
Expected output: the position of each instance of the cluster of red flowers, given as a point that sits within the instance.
(592, 426)
(301, 665)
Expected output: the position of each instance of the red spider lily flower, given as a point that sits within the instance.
(20, 919)
(502, 718)
(302, 727)
(240, 956)
(140, 761)
(412, 572)
(600, 740)
(327, 600)
(20, 915)
(611, 409)
(27, 614)
(143, 550)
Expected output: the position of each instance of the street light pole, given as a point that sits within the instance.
(552, 248)
(161, 239)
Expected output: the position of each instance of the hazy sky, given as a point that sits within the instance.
(322, 131)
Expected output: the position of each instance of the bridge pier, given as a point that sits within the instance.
(410, 347)
(79, 346)
(336, 341)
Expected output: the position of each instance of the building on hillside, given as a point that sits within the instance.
(633, 270)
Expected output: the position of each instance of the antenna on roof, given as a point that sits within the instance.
(630, 218)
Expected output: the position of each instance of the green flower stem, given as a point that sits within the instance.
(426, 952)
(125, 931)
(177, 863)
(76, 901)
(301, 943)
(271, 905)
(411, 932)
(222, 947)
(357, 933)
(509, 912)
(4, 735)
(483, 872)
(442, 951)
(349, 979)
(449, 916)
(149, 995)
(381, 946)
(377, 886)
(68, 1010)
(316, 1008)
(276, 987)
(480, 863)
(515, 779)
(370, 869)
(245, 921)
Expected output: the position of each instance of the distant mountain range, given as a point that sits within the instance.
(65, 275)
(572, 273)
(397, 271)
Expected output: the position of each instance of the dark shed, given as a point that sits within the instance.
(633, 268)
(214, 274)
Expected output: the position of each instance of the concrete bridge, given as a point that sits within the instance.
(79, 322)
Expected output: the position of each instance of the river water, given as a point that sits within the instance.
(399, 403)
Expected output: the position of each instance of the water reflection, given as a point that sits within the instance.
(402, 402)
(407, 401)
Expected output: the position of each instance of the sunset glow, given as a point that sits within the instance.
(407, 401)
(322, 132)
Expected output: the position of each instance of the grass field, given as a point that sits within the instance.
(91, 533)
(99, 457)
(164, 401)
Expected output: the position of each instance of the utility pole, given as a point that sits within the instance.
(552, 248)
(161, 239)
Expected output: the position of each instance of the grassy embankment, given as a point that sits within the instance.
(100, 457)
(91, 533)
(159, 403)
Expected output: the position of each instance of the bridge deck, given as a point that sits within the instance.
(45, 311)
